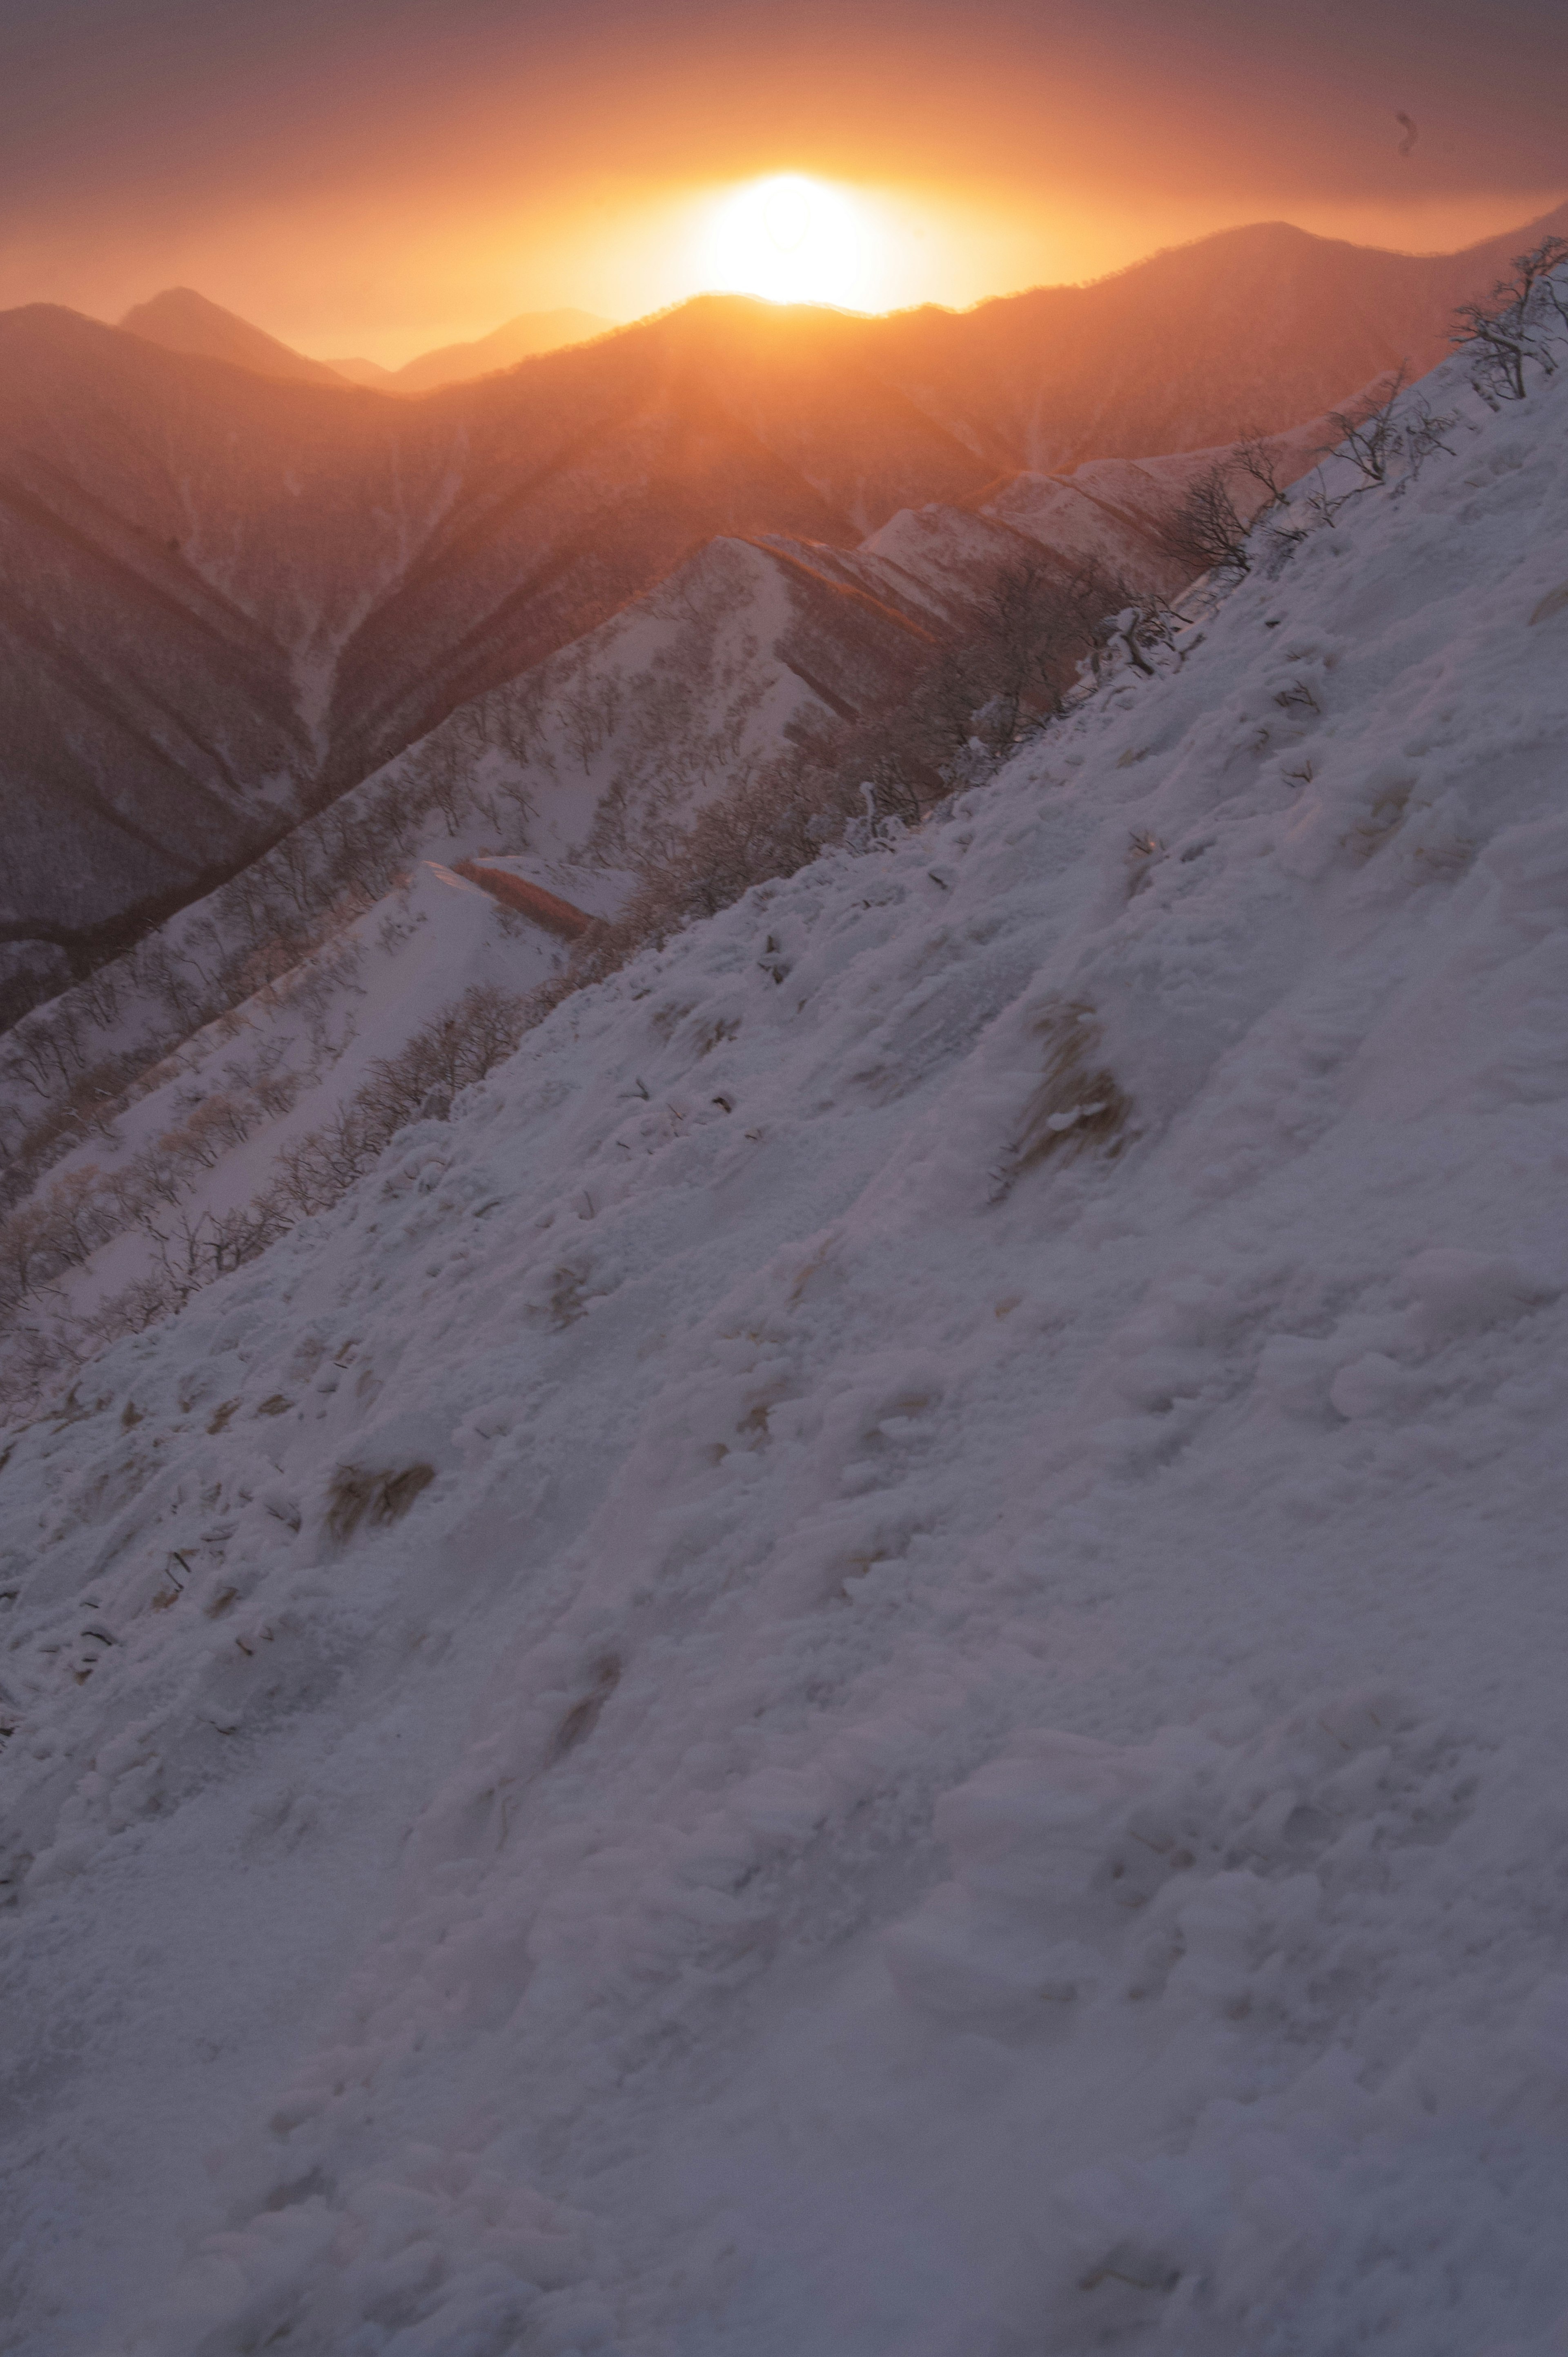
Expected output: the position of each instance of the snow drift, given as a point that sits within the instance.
(872, 1662)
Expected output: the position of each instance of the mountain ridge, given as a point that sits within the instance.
(531, 332)
(182, 320)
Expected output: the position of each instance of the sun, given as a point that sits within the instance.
(792, 240)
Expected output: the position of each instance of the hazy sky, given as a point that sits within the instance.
(375, 176)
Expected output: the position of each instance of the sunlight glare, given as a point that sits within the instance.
(791, 240)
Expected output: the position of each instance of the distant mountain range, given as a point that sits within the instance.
(234, 586)
(181, 320)
(518, 340)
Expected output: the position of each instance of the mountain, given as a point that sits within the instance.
(183, 321)
(366, 372)
(584, 772)
(1257, 327)
(747, 701)
(866, 1659)
(518, 340)
(230, 597)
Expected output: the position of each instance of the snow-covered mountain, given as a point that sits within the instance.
(230, 596)
(869, 1659)
(150, 1116)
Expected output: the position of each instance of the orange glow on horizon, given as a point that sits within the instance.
(861, 247)
(340, 275)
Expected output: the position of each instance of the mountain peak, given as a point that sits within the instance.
(183, 320)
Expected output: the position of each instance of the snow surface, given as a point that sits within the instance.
(874, 1663)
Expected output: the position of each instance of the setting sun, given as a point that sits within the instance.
(792, 240)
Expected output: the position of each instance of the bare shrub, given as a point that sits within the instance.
(1021, 639)
(22, 1251)
(451, 1054)
(316, 1171)
(1369, 434)
(47, 1052)
(61, 1227)
(145, 1302)
(511, 720)
(1385, 440)
(1205, 532)
(1002, 672)
(1522, 320)
(157, 1174)
(1132, 625)
(75, 1216)
(273, 1086)
(243, 1233)
(220, 1123)
(592, 715)
(440, 767)
(92, 1105)
(1253, 460)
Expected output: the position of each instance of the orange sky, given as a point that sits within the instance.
(380, 175)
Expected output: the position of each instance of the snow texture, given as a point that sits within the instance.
(873, 1664)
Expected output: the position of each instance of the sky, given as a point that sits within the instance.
(375, 176)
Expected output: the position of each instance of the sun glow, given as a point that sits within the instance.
(793, 240)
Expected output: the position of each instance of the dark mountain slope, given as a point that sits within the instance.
(591, 474)
(1261, 326)
(162, 607)
(230, 597)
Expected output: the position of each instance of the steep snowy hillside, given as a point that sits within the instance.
(872, 1662)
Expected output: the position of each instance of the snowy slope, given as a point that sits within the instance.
(1104, 511)
(872, 1665)
(593, 760)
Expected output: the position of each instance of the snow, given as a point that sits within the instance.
(873, 1662)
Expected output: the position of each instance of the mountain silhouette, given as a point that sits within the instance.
(518, 340)
(1261, 326)
(181, 320)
